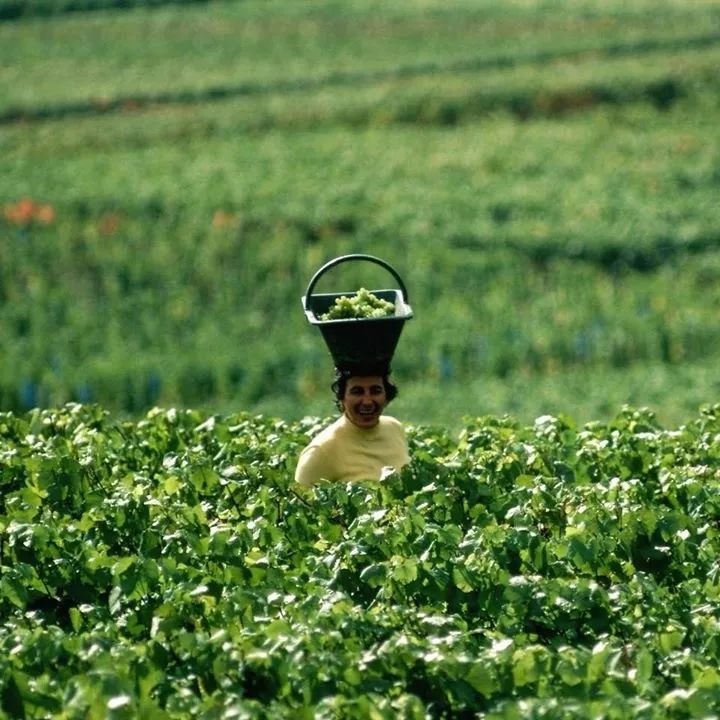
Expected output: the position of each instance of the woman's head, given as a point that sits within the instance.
(362, 396)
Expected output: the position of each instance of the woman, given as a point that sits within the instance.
(362, 443)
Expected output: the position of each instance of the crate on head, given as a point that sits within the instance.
(365, 342)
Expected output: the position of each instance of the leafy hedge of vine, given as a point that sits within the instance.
(169, 568)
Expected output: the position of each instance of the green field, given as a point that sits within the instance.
(543, 175)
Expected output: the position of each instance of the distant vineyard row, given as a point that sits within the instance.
(495, 54)
(15, 9)
(403, 96)
(108, 329)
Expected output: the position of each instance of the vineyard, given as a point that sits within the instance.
(169, 568)
(544, 176)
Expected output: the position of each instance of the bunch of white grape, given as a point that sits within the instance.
(361, 305)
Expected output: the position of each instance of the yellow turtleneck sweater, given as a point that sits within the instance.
(344, 452)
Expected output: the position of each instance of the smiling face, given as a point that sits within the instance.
(364, 400)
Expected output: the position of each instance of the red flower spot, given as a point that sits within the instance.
(45, 214)
(109, 224)
(222, 219)
(27, 211)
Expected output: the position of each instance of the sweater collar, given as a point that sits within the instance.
(350, 427)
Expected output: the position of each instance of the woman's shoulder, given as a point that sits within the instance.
(388, 421)
(327, 433)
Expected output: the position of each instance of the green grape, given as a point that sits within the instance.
(361, 305)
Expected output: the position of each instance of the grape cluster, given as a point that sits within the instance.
(361, 305)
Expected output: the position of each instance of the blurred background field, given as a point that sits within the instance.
(543, 175)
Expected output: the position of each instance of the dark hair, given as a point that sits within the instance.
(339, 385)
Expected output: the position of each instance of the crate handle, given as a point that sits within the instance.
(345, 258)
